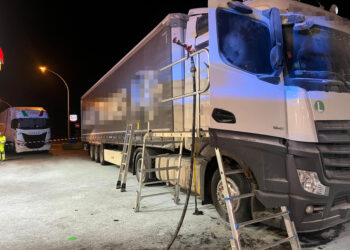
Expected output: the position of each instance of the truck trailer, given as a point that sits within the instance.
(26, 129)
(272, 93)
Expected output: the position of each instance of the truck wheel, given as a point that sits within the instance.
(102, 157)
(97, 153)
(237, 185)
(137, 165)
(92, 152)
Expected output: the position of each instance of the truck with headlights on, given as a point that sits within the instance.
(26, 129)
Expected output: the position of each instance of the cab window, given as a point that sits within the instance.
(243, 42)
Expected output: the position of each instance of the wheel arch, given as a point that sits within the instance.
(209, 169)
(148, 152)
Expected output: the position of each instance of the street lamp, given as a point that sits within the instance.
(43, 70)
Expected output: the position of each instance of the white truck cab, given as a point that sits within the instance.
(281, 71)
(26, 128)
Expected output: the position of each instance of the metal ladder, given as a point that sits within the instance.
(124, 165)
(143, 171)
(236, 227)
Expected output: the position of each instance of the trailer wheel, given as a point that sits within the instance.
(97, 153)
(137, 165)
(237, 185)
(102, 157)
(92, 152)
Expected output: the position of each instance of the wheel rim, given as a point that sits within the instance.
(233, 191)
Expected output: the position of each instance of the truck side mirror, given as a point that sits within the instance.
(276, 60)
(276, 57)
(14, 123)
(48, 123)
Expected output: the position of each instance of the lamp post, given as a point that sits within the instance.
(43, 69)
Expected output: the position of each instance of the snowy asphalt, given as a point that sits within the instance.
(63, 200)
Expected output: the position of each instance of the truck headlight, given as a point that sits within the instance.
(310, 182)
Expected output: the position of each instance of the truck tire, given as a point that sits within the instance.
(137, 165)
(238, 184)
(102, 157)
(97, 153)
(92, 152)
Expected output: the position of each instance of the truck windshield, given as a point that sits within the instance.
(317, 58)
(30, 123)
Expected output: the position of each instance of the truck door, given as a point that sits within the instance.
(246, 85)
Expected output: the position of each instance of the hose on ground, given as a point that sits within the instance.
(193, 70)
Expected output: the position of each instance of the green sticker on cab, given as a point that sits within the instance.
(319, 106)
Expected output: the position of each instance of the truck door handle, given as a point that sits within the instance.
(223, 116)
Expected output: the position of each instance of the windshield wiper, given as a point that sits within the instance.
(342, 78)
(322, 75)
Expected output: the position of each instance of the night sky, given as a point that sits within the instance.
(81, 42)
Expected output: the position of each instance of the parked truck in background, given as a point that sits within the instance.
(26, 128)
(274, 78)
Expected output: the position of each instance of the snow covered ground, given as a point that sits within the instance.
(63, 200)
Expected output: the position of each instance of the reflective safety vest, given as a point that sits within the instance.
(2, 142)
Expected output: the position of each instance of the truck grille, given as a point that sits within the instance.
(34, 141)
(334, 138)
(341, 199)
(333, 131)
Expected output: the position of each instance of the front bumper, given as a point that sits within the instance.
(329, 210)
(21, 147)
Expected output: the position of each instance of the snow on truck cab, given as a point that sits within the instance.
(26, 128)
(274, 84)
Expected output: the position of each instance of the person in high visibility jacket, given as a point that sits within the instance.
(2, 146)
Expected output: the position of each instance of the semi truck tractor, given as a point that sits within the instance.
(26, 129)
(272, 93)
